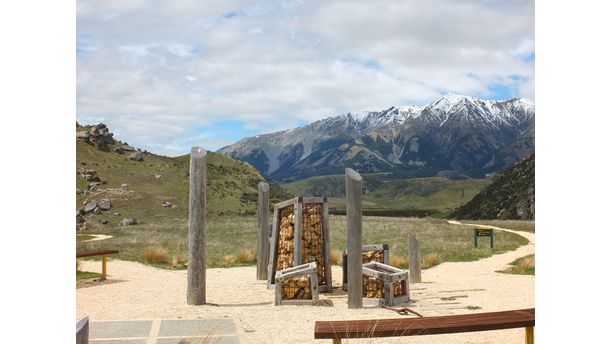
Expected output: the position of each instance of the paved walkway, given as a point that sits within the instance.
(217, 331)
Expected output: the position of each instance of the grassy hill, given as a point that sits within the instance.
(427, 196)
(510, 196)
(232, 185)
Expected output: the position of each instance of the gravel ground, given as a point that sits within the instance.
(135, 291)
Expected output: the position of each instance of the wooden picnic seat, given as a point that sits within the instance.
(102, 253)
(427, 326)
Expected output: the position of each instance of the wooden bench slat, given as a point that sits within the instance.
(425, 326)
(95, 253)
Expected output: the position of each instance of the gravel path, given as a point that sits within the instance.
(135, 291)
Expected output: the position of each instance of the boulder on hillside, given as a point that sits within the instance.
(128, 222)
(83, 135)
(91, 206)
(100, 136)
(104, 221)
(128, 148)
(90, 175)
(158, 176)
(105, 204)
(167, 204)
(119, 150)
(79, 218)
(125, 187)
(138, 156)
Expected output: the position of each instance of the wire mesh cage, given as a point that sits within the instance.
(370, 253)
(387, 284)
(297, 285)
(300, 234)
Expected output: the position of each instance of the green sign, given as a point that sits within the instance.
(482, 232)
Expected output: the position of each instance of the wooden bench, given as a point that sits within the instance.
(337, 330)
(102, 253)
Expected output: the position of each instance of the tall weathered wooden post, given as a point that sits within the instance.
(353, 238)
(414, 259)
(263, 241)
(196, 272)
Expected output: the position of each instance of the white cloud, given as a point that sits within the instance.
(153, 72)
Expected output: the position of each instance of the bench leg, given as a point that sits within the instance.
(337, 341)
(528, 335)
(103, 267)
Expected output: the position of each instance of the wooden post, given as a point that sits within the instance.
(263, 241)
(103, 266)
(414, 259)
(353, 238)
(82, 331)
(529, 335)
(273, 242)
(297, 237)
(196, 272)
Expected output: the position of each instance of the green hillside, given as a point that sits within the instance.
(510, 196)
(432, 195)
(232, 185)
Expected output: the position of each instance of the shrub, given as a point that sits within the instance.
(155, 254)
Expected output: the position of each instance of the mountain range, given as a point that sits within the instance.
(456, 136)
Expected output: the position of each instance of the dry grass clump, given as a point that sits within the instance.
(526, 263)
(335, 257)
(179, 260)
(398, 262)
(228, 260)
(247, 256)
(522, 266)
(430, 260)
(156, 254)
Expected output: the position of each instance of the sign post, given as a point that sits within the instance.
(483, 232)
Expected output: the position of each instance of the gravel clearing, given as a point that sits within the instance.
(142, 292)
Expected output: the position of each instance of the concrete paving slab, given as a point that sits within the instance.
(220, 331)
(211, 340)
(119, 329)
(197, 327)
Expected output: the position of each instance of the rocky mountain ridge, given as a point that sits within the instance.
(457, 133)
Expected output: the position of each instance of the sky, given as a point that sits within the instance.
(169, 75)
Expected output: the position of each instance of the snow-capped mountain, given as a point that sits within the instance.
(455, 132)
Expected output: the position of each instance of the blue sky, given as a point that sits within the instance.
(169, 75)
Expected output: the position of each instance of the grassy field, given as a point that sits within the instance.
(232, 239)
(437, 195)
(517, 225)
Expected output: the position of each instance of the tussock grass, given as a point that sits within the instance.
(431, 260)
(522, 266)
(156, 254)
(247, 256)
(228, 260)
(398, 262)
(179, 260)
(335, 257)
